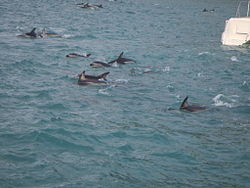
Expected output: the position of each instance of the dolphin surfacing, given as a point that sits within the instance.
(87, 5)
(122, 60)
(31, 34)
(96, 64)
(38, 34)
(92, 80)
(190, 108)
(77, 55)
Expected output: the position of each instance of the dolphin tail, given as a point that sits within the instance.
(184, 104)
(103, 76)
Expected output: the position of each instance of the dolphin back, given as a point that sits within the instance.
(190, 108)
(32, 33)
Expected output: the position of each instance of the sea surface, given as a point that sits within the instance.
(130, 132)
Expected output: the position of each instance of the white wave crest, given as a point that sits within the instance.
(121, 81)
(67, 36)
(222, 100)
(104, 92)
(203, 53)
(166, 69)
(199, 74)
(234, 58)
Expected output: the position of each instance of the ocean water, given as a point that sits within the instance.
(128, 133)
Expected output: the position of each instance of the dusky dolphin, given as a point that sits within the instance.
(32, 33)
(96, 64)
(91, 6)
(205, 10)
(77, 55)
(190, 108)
(122, 60)
(91, 80)
(101, 76)
(39, 34)
(44, 33)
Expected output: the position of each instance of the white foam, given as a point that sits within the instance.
(166, 69)
(169, 86)
(178, 96)
(199, 74)
(244, 83)
(67, 36)
(234, 58)
(222, 100)
(202, 53)
(19, 28)
(147, 70)
(115, 64)
(121, 81)
(103, 92)
(60, 30)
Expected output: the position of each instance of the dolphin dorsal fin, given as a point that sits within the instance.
(184, 104)
(82, 76)
(33, 31)
(103, 76)
(120, 55)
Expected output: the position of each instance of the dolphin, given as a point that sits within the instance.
(40, 34)
(101, 76)
(205, 10)
(91, 80)
(80, 4)
(52, 34)
(96, 64)
(44, 33)
(32, 33)
(77, 55)
(90, 77)
(122, 60)
(91, 6)
(190, 108)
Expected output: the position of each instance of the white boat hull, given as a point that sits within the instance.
(237, 31)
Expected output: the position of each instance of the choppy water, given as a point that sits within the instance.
(55, 133)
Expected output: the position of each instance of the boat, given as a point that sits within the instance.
(237, 29)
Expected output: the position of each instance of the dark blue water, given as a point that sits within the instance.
(54, 133)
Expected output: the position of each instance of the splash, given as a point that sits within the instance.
(234, 58)
(222, 100)
(203, 53)
(67, 36)
(104, 92)
(166, 69)
(121, 81)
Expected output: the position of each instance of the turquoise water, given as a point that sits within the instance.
(54, 133)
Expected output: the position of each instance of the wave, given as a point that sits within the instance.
(223, 100)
